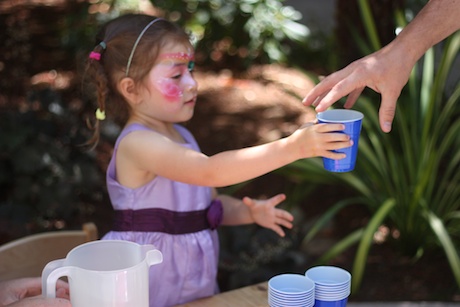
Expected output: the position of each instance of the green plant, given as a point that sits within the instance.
(409, 179)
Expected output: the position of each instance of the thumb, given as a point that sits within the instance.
(249, 202)
(277, 199)
(387, 112)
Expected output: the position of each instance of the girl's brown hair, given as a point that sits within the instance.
(114, 44)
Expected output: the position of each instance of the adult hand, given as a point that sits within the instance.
(383, 71)
(26, 292)
(386, 71)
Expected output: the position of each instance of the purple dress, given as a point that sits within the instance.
(190, 259)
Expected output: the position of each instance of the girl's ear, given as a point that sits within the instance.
(127, 87)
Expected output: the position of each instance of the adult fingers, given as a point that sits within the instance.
(62, 293)
(32, 286)
(387, 111)
(339, 90)
(318, 99)
(62, 284)
(352, 97)
(350, 80)
(320, 90)
(40, 301)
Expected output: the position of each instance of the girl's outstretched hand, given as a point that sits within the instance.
(319, 140)
(265, 213)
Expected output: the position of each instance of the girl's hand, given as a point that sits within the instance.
(319, 140)
(266, 215)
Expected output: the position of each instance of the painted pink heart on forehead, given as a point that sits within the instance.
(178, 56)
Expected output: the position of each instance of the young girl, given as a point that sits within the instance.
(161, 186)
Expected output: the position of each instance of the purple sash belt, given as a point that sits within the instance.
(167, 221)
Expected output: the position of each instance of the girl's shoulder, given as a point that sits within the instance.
(187, 135)
(139, 127)
(134, 127)
(127, 130)
(184, 132)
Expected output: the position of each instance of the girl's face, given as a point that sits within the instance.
(171, 84)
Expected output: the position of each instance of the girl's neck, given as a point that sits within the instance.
(165, 128)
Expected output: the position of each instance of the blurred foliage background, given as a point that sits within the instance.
(49, 181)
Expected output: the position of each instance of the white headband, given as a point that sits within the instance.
(137, 42)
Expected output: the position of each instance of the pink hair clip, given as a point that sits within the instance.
(95, 55)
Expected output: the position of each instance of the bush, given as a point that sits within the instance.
(235, 34)
(47, 180)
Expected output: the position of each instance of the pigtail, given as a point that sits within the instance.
(95, 70)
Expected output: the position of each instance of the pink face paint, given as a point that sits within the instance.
(172, 74)
(181, 56)
(171, 91)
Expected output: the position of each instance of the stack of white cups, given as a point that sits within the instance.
(291, 290)
(332, 285)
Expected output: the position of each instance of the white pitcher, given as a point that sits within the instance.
(105, 273)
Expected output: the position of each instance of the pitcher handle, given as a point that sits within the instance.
(50, 274)
(153, 257)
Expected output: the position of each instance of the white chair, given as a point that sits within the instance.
(27, 256)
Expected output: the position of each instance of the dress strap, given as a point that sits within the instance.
(167, 221)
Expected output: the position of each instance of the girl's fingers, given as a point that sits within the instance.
(339, 145)
(284, 215)
(278, 230)
(322, 127)
(277, 199)
(284, 223)
(334, 155)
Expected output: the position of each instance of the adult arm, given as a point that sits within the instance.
(387, 70)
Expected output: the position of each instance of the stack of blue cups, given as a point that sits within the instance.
(332, 285)
(291, 290)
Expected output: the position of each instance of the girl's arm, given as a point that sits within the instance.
(144, 154)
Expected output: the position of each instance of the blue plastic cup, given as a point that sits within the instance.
(332, 285)
(338, 303)
(291, 290)
(353, 121)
